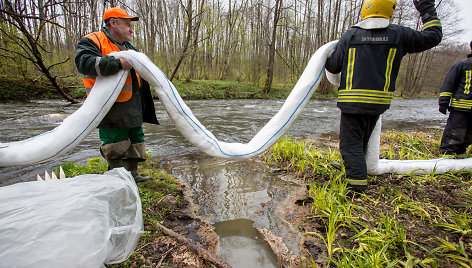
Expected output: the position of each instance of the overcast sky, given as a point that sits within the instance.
(465, 13)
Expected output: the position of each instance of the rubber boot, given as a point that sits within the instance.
(114, 163)
(131, 164)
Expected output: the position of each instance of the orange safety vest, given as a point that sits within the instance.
(107, 46)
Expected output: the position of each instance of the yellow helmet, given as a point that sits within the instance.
(378, 8)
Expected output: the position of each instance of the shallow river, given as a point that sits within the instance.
(236, 196)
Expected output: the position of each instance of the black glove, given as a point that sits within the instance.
(443, 109)
(426, 9)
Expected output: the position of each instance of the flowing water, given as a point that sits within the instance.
(236, 196)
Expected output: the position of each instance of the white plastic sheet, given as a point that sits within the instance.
(84, 221)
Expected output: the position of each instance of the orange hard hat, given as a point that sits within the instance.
(118, 13)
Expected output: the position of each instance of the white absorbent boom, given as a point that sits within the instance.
(81, 123)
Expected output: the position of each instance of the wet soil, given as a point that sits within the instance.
(299, 213)
(156, 249)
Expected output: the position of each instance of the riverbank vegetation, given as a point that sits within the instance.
(25, 89)
(29, 89)
(401, 221)
(13, 88)
(257, 42)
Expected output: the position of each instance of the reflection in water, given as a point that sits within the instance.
(228, 190)
(240, 245)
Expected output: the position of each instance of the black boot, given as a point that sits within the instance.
(131, 164)
(355, 190)
(114, 163)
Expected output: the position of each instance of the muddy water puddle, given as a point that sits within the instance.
(241, 245)
(237, 197)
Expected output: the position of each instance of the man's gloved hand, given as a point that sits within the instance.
(443, 109)
(426, 9)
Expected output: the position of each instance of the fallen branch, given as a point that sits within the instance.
(195, 247)
(164, 256)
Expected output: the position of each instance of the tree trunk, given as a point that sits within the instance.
(270, 69)
(183, 53)
(196, 30)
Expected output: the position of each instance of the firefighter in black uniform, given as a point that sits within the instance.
(368, 56)
(456, 97)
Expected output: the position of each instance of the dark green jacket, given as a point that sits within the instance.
(132, 113)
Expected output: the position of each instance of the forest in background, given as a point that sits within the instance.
(256, 41)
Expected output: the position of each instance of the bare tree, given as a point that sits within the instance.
(188, 35)
(196, 29)
(244, 40)
(27, 38)
(270, 67)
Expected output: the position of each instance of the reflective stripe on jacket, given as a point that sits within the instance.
(106, 46)
(457, 85)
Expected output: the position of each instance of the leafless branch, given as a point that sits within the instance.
(58, 63)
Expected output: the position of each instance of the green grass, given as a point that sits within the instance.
(402, 220)
(219, 89)
(94, 166)
(26, 89)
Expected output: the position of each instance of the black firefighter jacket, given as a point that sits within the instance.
(369, 61)
(455, 90)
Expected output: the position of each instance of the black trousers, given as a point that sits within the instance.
(457, 135)
(354, 134)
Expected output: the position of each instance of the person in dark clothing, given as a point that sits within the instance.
(456, 97)
(121, 129)
(368, 56)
